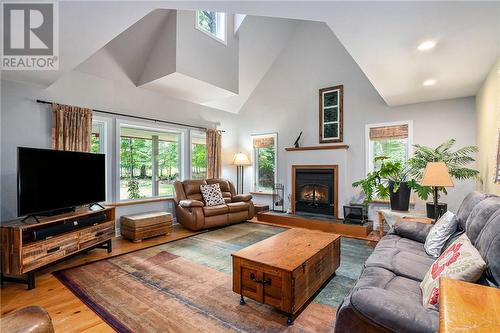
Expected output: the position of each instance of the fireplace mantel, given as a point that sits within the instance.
(320, 147)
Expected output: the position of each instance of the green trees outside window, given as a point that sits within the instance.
(212, 23)
(264, 161)
(266, 166)
(149, 163)
(95, 144)
(199, 161)
(394, 149)
(207, 20)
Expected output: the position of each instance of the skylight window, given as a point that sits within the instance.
(212, 23)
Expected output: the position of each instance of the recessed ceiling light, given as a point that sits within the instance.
(428, 83)
(427, 45)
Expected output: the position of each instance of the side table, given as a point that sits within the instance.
(468, 307)
(393, 217)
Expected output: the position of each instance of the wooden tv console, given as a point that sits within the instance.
(21, 254)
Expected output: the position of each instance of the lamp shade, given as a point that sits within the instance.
(436, 174)
(241, 159)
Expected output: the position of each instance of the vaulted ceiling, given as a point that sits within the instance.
(382, 37)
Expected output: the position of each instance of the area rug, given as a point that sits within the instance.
(186, 286)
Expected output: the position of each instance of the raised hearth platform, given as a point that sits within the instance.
(308, 221)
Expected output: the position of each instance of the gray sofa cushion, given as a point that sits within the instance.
(395, 310)
(416, 231)
(471, 200)
(404, 244)
(481, 213)
(403, 263)
(488, 245)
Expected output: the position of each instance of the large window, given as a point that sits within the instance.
(198, 155)
(212, 23)
(149, 162)
(389, 139)
(264, 160)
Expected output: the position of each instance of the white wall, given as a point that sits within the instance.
(286, 101)
(204, 58)
(488, 130)
(27, 123)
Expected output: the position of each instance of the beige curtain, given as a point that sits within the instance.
(71, 128)
(214, 163)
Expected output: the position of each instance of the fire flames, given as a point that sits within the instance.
(313, 193)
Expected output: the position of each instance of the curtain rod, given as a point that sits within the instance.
(137, 117)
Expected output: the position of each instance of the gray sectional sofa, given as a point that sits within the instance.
(387, 296)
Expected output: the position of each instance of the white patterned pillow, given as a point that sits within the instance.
(439, 234)
(460, 261)
(212, 195)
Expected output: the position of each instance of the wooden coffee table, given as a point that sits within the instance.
(286, 270)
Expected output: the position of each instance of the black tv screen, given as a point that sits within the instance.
(49, 180)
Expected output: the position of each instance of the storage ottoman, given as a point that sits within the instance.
(139, 226)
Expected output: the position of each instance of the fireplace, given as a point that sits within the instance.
(315, 189)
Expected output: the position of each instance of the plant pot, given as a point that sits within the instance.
(400, 200)
(442, 208)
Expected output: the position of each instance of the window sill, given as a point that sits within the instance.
(139, 201)
(261, 193)
(386, 202)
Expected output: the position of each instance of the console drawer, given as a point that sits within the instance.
(45, 251)
(96, 234)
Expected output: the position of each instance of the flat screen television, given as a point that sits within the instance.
(53, 180)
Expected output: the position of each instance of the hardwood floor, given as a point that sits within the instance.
(68, 313)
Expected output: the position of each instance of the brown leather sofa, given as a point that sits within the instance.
(194, 215)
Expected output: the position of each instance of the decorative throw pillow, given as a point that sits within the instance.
(212, 194)
(460, 261)
(439, 234)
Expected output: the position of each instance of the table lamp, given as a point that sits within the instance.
(240, 160)
(436, 174)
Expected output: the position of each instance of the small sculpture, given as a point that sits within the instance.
(296, 144)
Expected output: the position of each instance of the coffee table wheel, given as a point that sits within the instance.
(289, 321)
(242, 300)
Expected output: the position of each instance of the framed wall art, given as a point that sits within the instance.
(331, 102)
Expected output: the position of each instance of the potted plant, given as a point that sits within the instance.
(456, 161)
(390, 181)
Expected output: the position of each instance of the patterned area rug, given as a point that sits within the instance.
(186, 286)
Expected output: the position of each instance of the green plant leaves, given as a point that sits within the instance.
(455, 160)
(376, 182)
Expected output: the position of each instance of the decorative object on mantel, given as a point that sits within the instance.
(240, 160)
(320, 147)
(457, 162)
(279, 198)
(331, 107)
(390, 180)
(296, 143)
(436, 174)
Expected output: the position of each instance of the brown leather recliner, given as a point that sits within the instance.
(194, 215)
